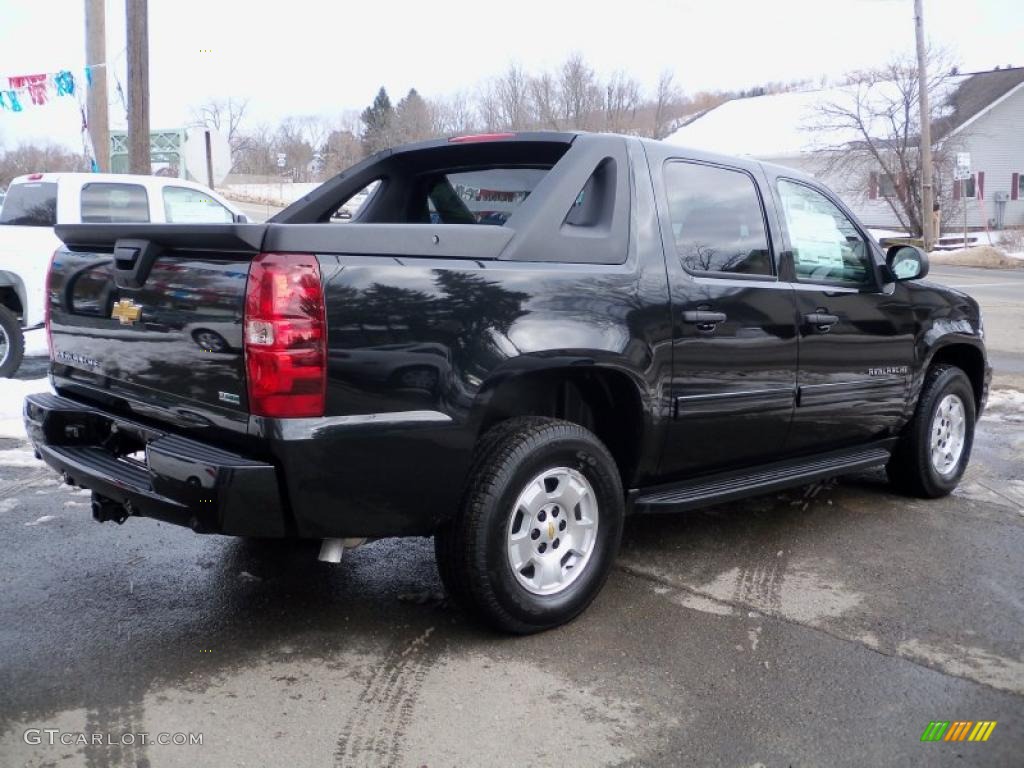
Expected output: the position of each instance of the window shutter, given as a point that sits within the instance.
(981, 185)
(956, 189)
(872, 186)
(1015, 186)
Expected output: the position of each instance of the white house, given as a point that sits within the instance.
(982, 113)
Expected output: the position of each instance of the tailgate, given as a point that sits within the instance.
(154, 312)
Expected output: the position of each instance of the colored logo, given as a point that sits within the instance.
(958, 730)
(126, 311)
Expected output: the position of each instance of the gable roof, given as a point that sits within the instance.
(790, 124)
(977, 94)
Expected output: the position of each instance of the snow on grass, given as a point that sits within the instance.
(12, 396)
(881, 234)
(984, 256)
(36, 344)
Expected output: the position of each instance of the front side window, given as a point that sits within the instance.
(104, 203)
(826, 245)
(192, 206)
(717, 220)
(32, 204)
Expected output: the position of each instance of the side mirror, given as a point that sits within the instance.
(906, 262)
(241, 218)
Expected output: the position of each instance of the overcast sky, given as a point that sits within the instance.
(308, 57)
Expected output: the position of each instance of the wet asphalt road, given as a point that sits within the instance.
(826, 626)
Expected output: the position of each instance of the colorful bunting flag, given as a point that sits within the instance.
(39, 89)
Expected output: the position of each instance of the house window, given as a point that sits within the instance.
(968, 186)
(886, 187)
(1020, 186)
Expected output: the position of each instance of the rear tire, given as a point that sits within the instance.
(12, 343)
(538, 529)
(933, 452)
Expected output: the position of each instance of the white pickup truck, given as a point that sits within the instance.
(37, 202)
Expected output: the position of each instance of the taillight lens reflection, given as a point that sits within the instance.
(285, 336)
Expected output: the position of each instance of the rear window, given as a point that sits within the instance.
(487, 196)
(104, 203)
(33, 204)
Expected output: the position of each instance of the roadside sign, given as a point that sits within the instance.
(963, 166)
(282, 160)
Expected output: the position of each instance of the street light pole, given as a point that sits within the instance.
(927, 191)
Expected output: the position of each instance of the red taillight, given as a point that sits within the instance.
(35, 176)
(480, 137)
(285, 336)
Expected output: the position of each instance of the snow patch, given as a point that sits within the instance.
(12, 397)
(975, 664)
(36, 343)
(19, 457)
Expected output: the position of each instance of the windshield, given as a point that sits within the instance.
(33, 204)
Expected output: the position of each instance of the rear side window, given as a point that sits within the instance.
(104, 203)
(352, 207)
(717, 220)
(33, 204)
(485, 196)
(192, 206)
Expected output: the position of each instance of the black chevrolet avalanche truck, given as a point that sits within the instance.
(513, 342)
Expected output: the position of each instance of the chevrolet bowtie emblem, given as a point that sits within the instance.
(126, 311)
(551, 530)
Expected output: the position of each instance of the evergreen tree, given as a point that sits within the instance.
(378, 121)
(412, 118)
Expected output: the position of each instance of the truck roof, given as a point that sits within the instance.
(115, 178)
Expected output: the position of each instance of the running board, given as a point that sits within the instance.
(729, 486)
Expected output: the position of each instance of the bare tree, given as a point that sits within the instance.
(666, 102)
(342, 148)
(545, 97)
(513, 98)
(580, 93)
(488, 104)
(38, 158)
(869, 132)
(225, 116)
(452, 116)
(622, 98)
(292, 141)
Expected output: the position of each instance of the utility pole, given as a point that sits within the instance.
(138, 87)
(96, 94)
(927, 191)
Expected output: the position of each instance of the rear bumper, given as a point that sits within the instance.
(181, 481)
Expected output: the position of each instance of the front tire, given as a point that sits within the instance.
(933, 452)
(538, 529)
(12, 343)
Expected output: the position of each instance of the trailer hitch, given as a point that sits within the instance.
(104, 509)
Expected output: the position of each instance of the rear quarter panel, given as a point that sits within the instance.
(416, 349)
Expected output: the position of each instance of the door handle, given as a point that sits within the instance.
(704, 320)
(822, 321)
